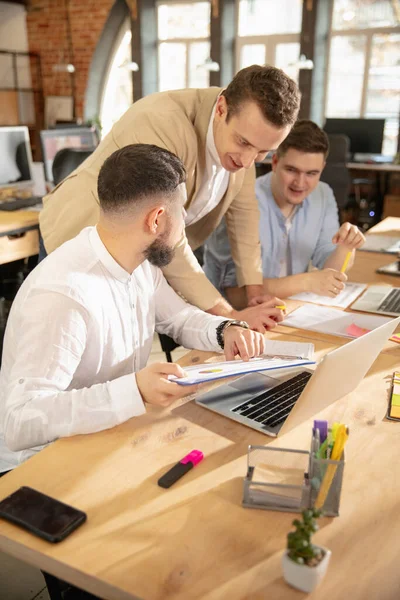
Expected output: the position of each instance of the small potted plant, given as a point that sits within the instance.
(304, 564)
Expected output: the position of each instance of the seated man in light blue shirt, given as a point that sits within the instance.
(299, 225)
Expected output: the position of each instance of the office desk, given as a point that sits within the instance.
(195, 541)
(381, 167)
(19, 234)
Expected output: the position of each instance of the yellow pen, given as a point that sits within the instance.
(346, 262)
(341, 439)
(335, 428)
(281, 306)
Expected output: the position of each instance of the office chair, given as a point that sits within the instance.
(66, 161)
(356, 209)
(21, 159)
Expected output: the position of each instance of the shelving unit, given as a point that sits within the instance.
(21, 93)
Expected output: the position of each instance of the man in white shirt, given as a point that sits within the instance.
(81, 327)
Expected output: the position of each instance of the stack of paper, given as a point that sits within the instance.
(332, 321)
(342, 300)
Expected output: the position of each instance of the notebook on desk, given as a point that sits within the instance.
(278, 401)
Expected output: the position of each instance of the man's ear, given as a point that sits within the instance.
(274, 161)
(153, 220)
(222, 107)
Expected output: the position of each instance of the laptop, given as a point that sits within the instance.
(380, 299)
(276, 402)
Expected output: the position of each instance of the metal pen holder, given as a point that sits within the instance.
(289, 480)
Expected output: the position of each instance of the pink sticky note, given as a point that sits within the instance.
(356, 331)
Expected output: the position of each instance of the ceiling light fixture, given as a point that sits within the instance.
(209, 65)
(64, 68)
(303, 63)
(130, 65)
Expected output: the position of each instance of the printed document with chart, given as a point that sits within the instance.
(277, 355)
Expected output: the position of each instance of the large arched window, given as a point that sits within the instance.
(117, 92)
(109, 88)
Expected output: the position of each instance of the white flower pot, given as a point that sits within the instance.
(303, 577)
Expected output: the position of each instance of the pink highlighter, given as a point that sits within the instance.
(183, 466)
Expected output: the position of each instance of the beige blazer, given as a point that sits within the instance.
(178, 121)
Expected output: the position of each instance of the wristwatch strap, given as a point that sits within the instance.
(224, 325)
(220, 333)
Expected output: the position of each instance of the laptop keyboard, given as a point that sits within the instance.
(272, 407)
(392, 302)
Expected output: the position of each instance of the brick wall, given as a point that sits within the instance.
(47, 35)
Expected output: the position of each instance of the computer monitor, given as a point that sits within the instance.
(366, 135)
(15, 158)
(54, 140)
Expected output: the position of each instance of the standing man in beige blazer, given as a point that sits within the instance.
(218, 134)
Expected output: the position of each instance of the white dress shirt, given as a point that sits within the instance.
(79, 327)
(215, 181)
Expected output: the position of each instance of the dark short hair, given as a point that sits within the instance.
(137, 173)
(305, 136)
(276, 95)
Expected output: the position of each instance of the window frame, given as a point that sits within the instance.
(270, 41)
(368, 33)
(180, 40)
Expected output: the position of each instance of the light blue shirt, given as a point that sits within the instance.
(314, 224)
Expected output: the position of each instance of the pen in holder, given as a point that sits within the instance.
(292, 480)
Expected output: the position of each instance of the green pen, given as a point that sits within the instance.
(330, 444)
(323, 449)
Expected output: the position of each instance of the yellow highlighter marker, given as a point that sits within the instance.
(281, 307)
(346, 262)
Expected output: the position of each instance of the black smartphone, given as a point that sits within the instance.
(42, 515)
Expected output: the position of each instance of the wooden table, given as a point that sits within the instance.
(195, 541)
(19, 234)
